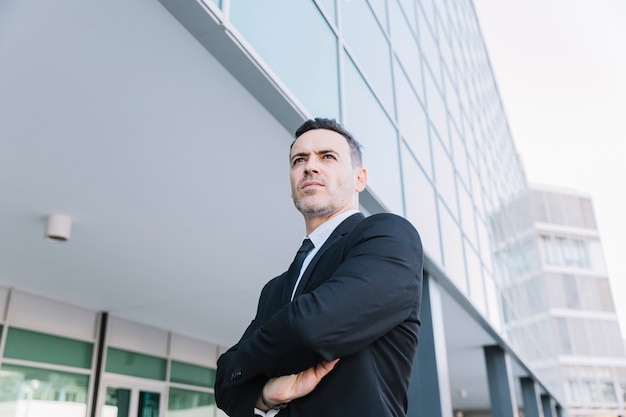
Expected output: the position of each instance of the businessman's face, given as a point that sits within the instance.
(323, 180)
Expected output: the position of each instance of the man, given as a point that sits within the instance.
(337, 337)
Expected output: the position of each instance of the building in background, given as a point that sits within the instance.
(568, 299)
(162, 129)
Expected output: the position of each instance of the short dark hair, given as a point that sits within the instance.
(331, 124)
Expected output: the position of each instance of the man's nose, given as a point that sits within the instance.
(311, 167)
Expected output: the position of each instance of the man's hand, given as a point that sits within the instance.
(289, 387)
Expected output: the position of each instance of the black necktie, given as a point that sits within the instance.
(294, 269)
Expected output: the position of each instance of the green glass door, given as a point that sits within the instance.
(117, 402)
(131, 399)
(148, 404)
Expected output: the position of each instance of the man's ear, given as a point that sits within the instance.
(361, 179)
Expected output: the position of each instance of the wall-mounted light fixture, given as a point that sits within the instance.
(58, 227)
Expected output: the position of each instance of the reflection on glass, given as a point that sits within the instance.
(191, 374)
(453, 256)
(421, 204)
(366, 119)
(329, 8)
(135, 364)
(445, 177)
(369, 46)
(187, 403)
(148, 404)
(295, 40)
(406, 46)
(116, 403)
(413, 121)
(33, 392)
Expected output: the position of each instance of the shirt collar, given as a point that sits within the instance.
(323, 231)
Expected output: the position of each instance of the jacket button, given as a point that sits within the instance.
(236, 374)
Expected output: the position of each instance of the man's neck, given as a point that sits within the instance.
(314, 222)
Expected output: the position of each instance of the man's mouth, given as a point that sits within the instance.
(311, 184)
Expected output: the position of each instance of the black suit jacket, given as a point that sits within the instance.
(358, 300)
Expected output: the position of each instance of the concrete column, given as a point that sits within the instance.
(530, 394)
(429, 387)
(501, 387)
(549, 406)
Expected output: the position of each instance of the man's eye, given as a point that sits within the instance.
(297, 160)
(329, 156)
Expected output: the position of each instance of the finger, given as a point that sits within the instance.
(330, 364)
(322, 369)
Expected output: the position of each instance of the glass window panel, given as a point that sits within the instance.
(593, 256)
(597, 341)
(413, 121)
(587, 212)
(459, 156)
(149, 404)
(494, 309)
(453, 258)
(537, 206)
(447, 57)
(484, 242)
(607, 392)
(467, 216)
(278, 29)
(606, 296)
(535, 295)
(588, 292)
(556, 293)
(372, 128)
(429, 9)
(475, 279)
(444, 177)
(574, 252)
(365, 40)
(42, 392)
(564, 336)
(615, 343)
(547, 250)
(380, 11)
(406, 48)
(187, 403)
(572, 215)
(116, 402)
(329, 8)
(571, 291)
(436, 109)
(135, 364)
(40, 347)
(186, 373)
(428, 44)
(408, 6)
(553, 207)
(578, 335)
(421, 207)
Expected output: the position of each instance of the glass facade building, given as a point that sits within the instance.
(568, 299)
(410, 78)
(413, 81)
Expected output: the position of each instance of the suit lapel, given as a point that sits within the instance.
(340, 231)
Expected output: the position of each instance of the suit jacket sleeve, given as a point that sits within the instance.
(240, 400)
(371, 286)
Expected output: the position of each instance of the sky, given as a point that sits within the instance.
(560, 67)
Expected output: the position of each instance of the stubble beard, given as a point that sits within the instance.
(312, 209)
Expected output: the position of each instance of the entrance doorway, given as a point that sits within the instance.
(131, 397)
